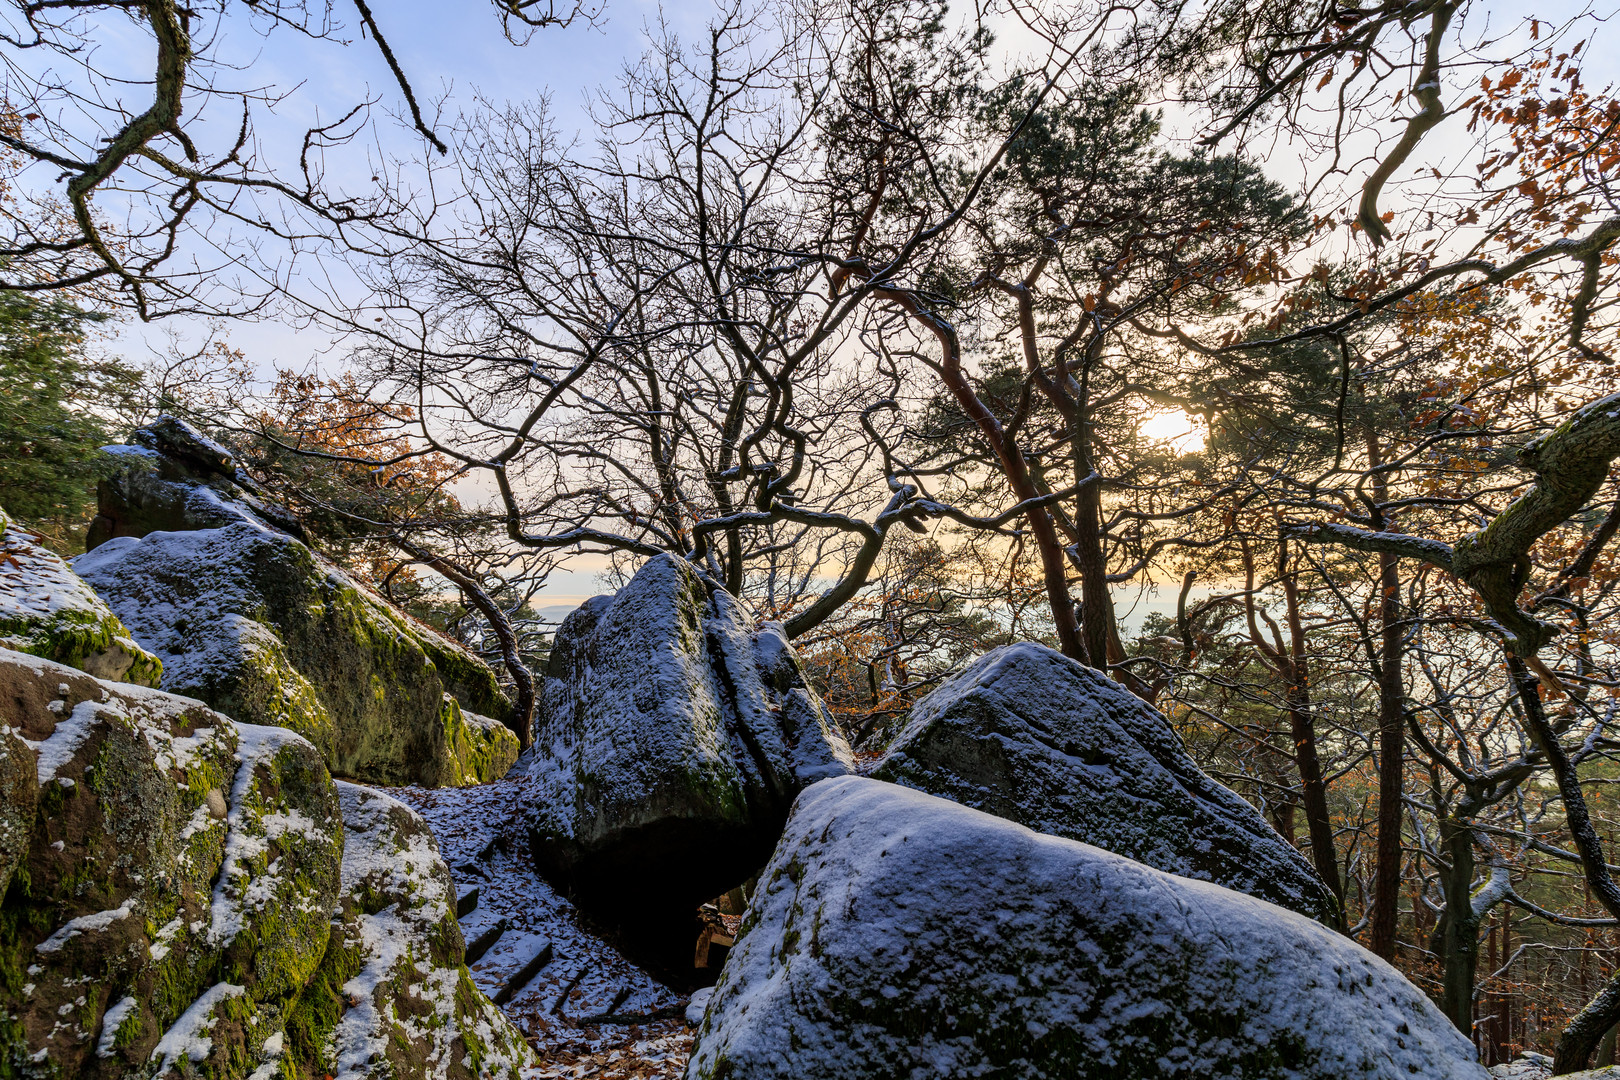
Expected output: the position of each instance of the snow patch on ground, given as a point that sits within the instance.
(99, 920)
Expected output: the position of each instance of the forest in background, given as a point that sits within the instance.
(868, 312)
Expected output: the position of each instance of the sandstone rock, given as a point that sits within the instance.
(1031, 736)
(174, 480)
(670, 743)
(142, 933)
(392, 997)
(898, 934)
(46, 610)
(19, 797)
(256, 624)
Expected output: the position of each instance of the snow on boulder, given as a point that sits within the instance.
(899, 934)
(671, 740)
(175, 884)
(257, 625)
(392, 997)
(176, 479)
(1032, 736)
(46, 610)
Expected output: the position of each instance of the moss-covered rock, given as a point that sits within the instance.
(46, 610)
(392, 999)
(254, 623)
(19, 798)
(175, 892)
(481, 748)
(1030, 735)
(896, 934)
(670, 743)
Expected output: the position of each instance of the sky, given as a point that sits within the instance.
(456, 53)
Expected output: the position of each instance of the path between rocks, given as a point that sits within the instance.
(527, 950)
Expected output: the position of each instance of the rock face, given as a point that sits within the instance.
(173, 895)
(174, 480)
(670, 743)
(170, 898)
(251, 621)
(1029, 735)
(392, 997)
(46, 610)
(898, 934)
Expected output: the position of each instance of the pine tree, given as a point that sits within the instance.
(57, 405)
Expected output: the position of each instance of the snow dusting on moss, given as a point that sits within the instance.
(47, 610)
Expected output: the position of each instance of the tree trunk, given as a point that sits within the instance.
(1391, 738)
(1010, 457)
(1096, 602)
(1302, 726)
(1458, 931)
(522, 722)
(1587, 1030)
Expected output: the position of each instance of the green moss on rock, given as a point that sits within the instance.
(175, 886)
(392, 996)
(253, 622)
(480, 749)
(46, 610)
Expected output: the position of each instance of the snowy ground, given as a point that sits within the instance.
(588, 1011)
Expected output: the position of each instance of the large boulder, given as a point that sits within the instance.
(185, 896)
(172, 893)
(175, 479)
(392, 997)
(46, 610)
(671, 740)
(1030, 735)
(253, 622)
(898, 934)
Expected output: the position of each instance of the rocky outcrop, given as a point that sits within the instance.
(670, 744)
(173, 895)
(392, 997)
(1029, 735)
(46, 610)
(176, 479)
(191, 897)
(256, 624)
(898, 934)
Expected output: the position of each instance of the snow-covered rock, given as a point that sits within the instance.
(1530, 1065)
(176, 479)
(392, 997)
(671, 741)
(256, 624)
(46, 610)
(1029, 735)
(899, 934)
(174, 889)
